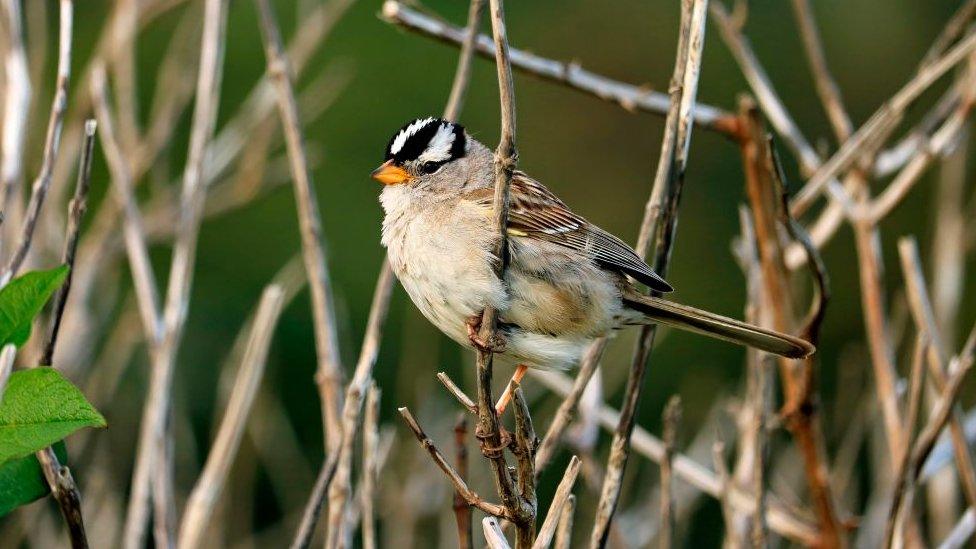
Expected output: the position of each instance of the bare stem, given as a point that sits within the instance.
(329, 373)
(571, 74)
(203, 498)
(661, 214)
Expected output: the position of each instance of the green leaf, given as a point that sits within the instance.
(22, 299)
(22, 481)
(39, 408)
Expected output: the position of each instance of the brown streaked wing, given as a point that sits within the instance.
(535, 212)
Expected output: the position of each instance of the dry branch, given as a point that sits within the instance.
(628, 96)
(564, 531)
(921, 309)
(672, 421)
(519, 507)
(76, 213)
(907, 475)
(781, 518)
(880, 124)
(340, 491)
(203, 498)
(557, 509)
(770, 216)
(827, 88)
(460, 485)
(329, 373)
(661, 215)
(52, 141)
(462, 511)
(371, 465)
(154, 453)
(16, 106)
(59, 477)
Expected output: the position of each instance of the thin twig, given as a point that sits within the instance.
(371, 464)
(76, 213)
(144, 280)
(571, 74)
(462, 75)
(881, 123)
(518, 510)
(827, 88)
(760, 460)
(329, 372)
(462, 511)
(459, 484)
(770, 215)
(564, 531)
(153, 455)
(934, 147)
(59, 477)
(557, 509)
(907, 474)
(672, 423)
(781, 519)
(962, 531)
(7, 356)
(340, 491)
(660, 214)
(16, 107)
(951, 32)
(921, 309)
(524, 450)
(458, 393)
(773, 106)
(901, 516)
(52, 141)
(567, 407)
(203, 498)
(722, 471)
(761, 86)
(313, 509)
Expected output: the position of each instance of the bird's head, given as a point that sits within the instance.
(421, 149)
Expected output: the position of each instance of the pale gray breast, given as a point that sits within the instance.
(440, 254)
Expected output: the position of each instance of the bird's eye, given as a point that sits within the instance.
(430, 167)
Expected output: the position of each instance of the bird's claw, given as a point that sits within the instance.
(493, 344)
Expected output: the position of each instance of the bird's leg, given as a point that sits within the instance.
(510, 388)
(495, 344)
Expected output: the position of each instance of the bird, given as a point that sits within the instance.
(567, 281)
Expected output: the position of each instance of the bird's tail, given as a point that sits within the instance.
(665, 312)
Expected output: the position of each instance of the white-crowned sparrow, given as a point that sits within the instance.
(567, 279)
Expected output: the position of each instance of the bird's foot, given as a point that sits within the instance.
(494, 452)
(493, 344)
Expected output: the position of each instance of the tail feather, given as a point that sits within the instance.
(720, 327)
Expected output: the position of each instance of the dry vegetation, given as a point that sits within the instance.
(908, 423)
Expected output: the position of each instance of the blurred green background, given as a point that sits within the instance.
(598, 157)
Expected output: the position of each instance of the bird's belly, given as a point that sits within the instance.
(449, 279)
(551, 304)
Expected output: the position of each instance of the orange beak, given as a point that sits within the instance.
(388, 174)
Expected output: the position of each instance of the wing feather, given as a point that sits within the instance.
(535, 212)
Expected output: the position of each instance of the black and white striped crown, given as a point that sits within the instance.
(427, 140)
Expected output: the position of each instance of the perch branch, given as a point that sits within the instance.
(460, 485)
